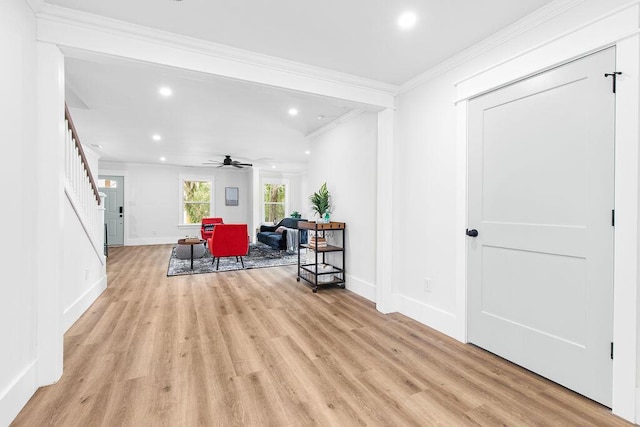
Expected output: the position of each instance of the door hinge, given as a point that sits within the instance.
(615, 75)
(611, 351)
(613, 217)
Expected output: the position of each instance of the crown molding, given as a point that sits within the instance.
(503, 36)
(36, 5)
(164, 38)
(334, 124)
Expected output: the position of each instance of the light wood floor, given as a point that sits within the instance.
(257, 348)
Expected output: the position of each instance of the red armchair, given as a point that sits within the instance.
(207, 227)
(229, 240)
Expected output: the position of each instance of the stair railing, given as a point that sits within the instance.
(81, 188)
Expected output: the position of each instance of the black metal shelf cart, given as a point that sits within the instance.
(319, 272)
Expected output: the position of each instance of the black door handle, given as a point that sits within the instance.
(472, 233)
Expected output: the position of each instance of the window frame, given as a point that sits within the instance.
(181, 201)
(263, 204)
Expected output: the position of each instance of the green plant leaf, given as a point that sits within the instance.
(320, 201)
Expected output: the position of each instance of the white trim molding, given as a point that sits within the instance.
(525, 24)
(436, 318)
(49, 164)
(384, 209)
(575, 43)
(77, 308)
(81, 30)
(16, 395)
(620, 29)
(350, 115)
(36, 5)
(638, 406)
(363, 288)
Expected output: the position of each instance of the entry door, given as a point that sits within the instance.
(540, 272)
(113, 187)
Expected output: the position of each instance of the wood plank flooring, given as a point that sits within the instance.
(256, 348)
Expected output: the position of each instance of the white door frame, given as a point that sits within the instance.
(620, 29)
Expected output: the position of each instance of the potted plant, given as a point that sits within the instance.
(295, 214)
(320, 203)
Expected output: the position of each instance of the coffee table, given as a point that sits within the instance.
(190, 243)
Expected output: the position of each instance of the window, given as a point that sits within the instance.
(196, 197)
(274, 201)
(107, 183)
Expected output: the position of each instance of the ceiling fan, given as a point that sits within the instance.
(228, 162)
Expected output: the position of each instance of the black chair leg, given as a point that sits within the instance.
(213, 259)
(242, 262)
(218, 263)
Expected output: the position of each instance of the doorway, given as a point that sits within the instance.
(113, 187)
(541, 195)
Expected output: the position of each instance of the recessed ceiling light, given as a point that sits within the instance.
(156, 137)
(293, 111)
(407, 20)
(273, 166)
(307, 152)
(165, 91)
(163, 159)
(98, 146)
(322, 117)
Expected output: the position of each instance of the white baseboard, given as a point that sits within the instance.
(637, 406)
(17, 393)
(362, 288)
(435, 318)
(79, 306)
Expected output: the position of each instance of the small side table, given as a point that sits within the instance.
(190, 243)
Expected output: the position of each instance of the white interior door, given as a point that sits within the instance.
(113, 187)
(540, 272)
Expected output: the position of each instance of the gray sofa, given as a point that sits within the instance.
(278, 240)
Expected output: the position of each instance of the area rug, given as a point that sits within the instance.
(259, 256)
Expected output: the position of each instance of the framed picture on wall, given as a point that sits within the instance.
(231, 196)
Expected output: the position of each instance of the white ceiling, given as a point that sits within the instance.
(115, 103)
(358, 37)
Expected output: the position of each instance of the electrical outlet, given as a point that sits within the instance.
(427, 285)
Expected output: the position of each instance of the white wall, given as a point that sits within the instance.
(93, 158)
(18, 135)
(152, 199)
(345, 158)
(426, 150)
(430, 166)
(83, 274)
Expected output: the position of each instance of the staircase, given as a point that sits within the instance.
(81, 189)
